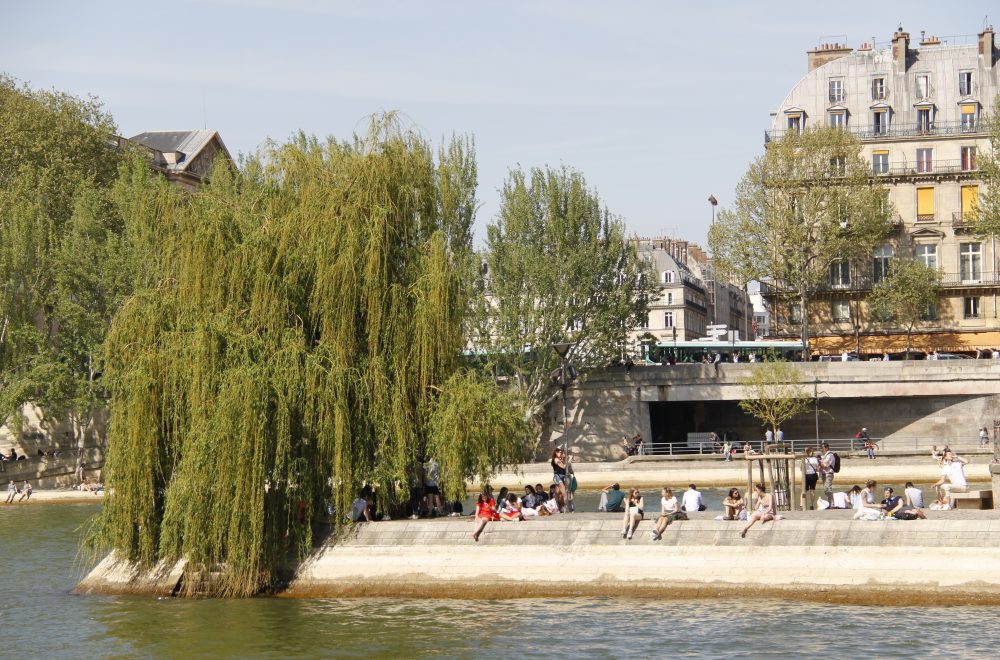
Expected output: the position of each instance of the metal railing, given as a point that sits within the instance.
(927, 169)
(897, 130)
(847, 445)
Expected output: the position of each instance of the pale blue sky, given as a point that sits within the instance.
(659, 104)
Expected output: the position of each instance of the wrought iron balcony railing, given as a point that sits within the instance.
(867, 132)
(927, 169)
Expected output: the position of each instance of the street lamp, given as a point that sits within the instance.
(714, 202)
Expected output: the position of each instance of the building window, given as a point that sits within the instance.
(840, 273)
(970, 262)
(881, 263)
(924, 123)
(670, 297)
(836, 90)
(927, 255)
(644, 322)
(968, 159)
(880, 122)
(794, 123)
(668, 277)
(880, 162)
(885, 206)
(923, 86)
(925, 204)
(878, 89)
(965, 83)
(795, 313)
(837, 118)
(971, 307)
(970, 201)
(968, 117)
(668, 319)
(924, 162)
(841, 310)
(930, 313)
(838, 166)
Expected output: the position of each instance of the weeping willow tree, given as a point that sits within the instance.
(302, 338)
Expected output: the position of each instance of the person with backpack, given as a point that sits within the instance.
(829, 464)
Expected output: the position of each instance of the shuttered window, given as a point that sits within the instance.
(970, 198)
(925, 203)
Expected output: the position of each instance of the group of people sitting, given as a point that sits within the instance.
(867, 506)
(13, 491)
(509, 506)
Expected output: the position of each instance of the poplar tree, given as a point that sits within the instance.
(557, 268)
(807, 201)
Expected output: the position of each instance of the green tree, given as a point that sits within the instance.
(302, 338)
(58, 234)
(558, 268)
(987, 211)
(807, 201)
(774, 393)
(905, 296)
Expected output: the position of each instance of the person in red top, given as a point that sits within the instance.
(486, 511)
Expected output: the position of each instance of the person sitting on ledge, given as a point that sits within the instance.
(25, 492)
(841, 500)
(361, 507)
(868, 508)
(692, 500)
(611, 499)
(633, 513)
(893, 506)
(509, 507)
(733, 504)
(669, 512)
(763, 512)
(485, 512)
(529, 500)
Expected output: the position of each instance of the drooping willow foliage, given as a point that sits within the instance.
(301, 329)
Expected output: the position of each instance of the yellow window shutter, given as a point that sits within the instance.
(970, 198)
(880, 152)
(968, 108)
(925, 201)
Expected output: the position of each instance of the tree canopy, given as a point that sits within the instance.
(59, 250)
(987, 212)
(806, 202)
(774, 393)
(557, 268)
(302, 338)
(905, 296)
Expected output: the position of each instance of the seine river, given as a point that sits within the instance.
(39, 618)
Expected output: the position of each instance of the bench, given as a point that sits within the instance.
(974, 499)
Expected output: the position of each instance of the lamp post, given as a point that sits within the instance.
(563, 349)
(714, 202)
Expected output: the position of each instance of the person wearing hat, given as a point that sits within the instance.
(612, 498)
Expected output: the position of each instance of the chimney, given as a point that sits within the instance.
(900, 46)
(824, 53)
(986, 46)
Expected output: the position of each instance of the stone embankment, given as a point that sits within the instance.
(714, 472)
(954, 557)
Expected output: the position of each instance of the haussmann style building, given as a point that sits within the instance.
(917, 108)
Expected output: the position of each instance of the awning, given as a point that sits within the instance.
(947, 342)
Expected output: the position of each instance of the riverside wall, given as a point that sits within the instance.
(952, 558)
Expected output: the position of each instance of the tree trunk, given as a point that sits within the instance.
(805, 324)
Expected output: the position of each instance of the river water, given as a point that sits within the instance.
(40, 618)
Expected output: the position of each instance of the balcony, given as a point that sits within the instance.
(961, 221)
(859, 283)
(928, 169)
(895, 131)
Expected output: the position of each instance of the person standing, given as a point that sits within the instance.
(827, 462)
(727, 449)
(769, 437)
(811, 465)
(866, 442)
(780, 436)
(984, 437)
(432, 474)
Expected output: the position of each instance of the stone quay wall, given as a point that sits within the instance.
(952, 558)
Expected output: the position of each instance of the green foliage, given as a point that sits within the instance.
(806, 202)
(987, 214)
(774, 393)
(296, 338)
(475, 432)
(559, 268)
(58, 235)
(905, 296)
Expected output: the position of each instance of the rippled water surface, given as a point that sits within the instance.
(41, 619)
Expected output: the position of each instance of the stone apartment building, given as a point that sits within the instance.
(917, 109)
(689, 298)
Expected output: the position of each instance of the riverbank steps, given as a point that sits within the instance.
(951, 558)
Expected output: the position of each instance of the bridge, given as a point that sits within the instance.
(909, 404)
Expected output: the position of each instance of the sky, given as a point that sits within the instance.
(658, 104)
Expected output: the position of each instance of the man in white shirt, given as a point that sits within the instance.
(692, 500)
(952, 476)
(914, 496)
(841, 500)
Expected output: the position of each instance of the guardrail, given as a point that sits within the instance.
(851, 445)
